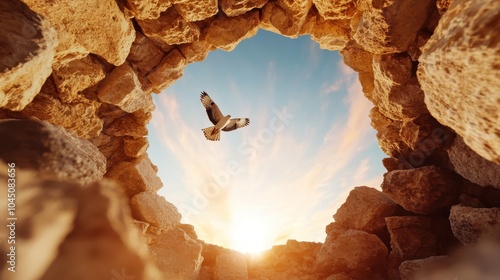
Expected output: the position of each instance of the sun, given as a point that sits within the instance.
(250, 234)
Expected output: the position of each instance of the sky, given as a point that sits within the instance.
(309, 143)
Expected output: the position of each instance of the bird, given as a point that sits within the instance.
(221, 122)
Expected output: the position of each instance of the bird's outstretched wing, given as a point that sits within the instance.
(236, 123)
(213, 111)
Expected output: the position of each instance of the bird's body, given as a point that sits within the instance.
(221, 122)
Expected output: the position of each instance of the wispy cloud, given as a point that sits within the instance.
(276, 179)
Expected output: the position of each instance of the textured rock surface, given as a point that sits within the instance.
(61, 219)
(196, 10)
(412, 237)
(167, 71)
(352, 250)
(176, 254)
(409, 269)
(136, 176)
(226, 33)
(421, 190)
(51, 150)
(231, 267)
(285, 17)
(470, 224)
(472, 166)
(458, 72)
(155, 210)
(365, 209)
(234, 8)
(28, 42)
(81, 32)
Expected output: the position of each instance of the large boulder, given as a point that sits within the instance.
(469, 224)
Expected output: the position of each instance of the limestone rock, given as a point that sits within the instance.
(123, 89)
(195, 51)
(51, 150)
(458, 73)
(365, 209)
(135, 147)
(285, 17)
(176, 255)
(167, 71)
(133, 125)
(136, 176)
(102, 30)
(27, 50)
(234, 8)
(149, 9)
(396, 93)
(390, 26)
(170, 28)
(352, 250)
(421, 190)
(79, 117)
(472, 166)
(196, 10)
(59, 219)
(412, 237)
(330, 34)
(226, 33)
(469, 224)
(343, 9)
(231, 267)
(144, 54)
(77, 75)
(155, 210)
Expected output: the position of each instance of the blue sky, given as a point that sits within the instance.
(308, 144)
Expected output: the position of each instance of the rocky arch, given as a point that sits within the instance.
(90, 67)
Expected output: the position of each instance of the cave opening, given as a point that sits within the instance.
(309, 143)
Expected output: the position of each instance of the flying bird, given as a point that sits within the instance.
(221, 122)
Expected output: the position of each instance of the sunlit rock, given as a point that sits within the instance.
(226, 33)
(147, 9)
(234, 8)
(102, 30)
(77, 75)
(27, 43)
(285, 17)
(155, 210)
(135, 147)
(458, 72)
(167, 71)
(343, 9)
(421, 190)
(231, 266)
(196, 10)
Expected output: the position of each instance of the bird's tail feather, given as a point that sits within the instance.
(211, 133)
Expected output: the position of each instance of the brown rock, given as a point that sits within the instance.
(472, 166)
(133, 125)
(391, 164)
(234, 8)
(285, 17)
(409, 270)
(412, 237)
(388, 135)
(80, 117)
(396, 93)
(458, 73)
(136, 176)
(195, 51)
(170, 28)
(189, 230)
(123, 89)
(443, 5)
(135, 147)
(365, 209)
(231, 266)
(343, 9)
(76, 76)
(102, 30)
(469, 224)
(149, 9)
(155, 210)
(144, 54)
(421, 190)
(226, 33)
(176, 255)
(357, 58)
(27, 49)
(390, 26)
(352, 250)
(330, 34)
(50, 150)
(167, 71)
(196, 10)
(59, 218)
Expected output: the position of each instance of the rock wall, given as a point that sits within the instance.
(78, 76)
